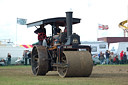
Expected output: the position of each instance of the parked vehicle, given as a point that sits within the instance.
(96, 46)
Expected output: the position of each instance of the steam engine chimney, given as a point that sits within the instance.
(69, 23)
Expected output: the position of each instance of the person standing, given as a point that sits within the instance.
(25, 57)
(124, 58)
(107, 57)
(41, 34)
(101, 58)
(57, 31)
(9, 59)
(29, 57)
(121, 56)
(111, 57)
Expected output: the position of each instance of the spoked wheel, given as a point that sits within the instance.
(62, 70)
(39, 60)
(79, 63)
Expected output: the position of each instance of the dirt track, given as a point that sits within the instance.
(101, 75)
(111, 69)
(108, 75)
(116, 73)
(104, 69)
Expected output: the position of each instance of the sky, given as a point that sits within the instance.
(91, 13)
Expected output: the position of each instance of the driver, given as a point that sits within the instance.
(57, 32)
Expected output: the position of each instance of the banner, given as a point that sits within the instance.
(103, 27)
(21, 21)
(26, 46)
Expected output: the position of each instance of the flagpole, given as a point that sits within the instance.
(97, 31)
(20, 21)
(16, 32)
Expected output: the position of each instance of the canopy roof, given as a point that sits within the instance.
(61, 21)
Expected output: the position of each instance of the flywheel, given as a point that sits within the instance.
(39, 60)
(80, 64)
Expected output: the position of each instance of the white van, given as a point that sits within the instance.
(96, 46)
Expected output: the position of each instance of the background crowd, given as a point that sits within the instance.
(24, 60)
(111, 58)
(102, 58)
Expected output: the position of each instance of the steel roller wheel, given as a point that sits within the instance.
(79, 63)
(39, 60)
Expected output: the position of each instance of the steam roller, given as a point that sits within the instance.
(63, 53)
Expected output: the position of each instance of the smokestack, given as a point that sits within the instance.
(69, 23)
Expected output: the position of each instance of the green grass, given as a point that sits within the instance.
(22, 75)
(112, 65)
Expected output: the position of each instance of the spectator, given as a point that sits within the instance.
(107, 56)
(29, 57)
(124, 58)
(18, 61)
(25, 57)
(121, 56)
(101, 58)
(2, 62)
(96, 56)
(111, 57)
(116, 60)
(9, 59)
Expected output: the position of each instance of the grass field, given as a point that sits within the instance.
(101, 75)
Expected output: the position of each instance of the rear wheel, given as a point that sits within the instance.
(39, 60)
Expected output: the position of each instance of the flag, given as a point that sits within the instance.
(21, 21)
(102, 27)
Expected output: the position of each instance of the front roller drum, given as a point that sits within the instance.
(80, 64)
(39, 60)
